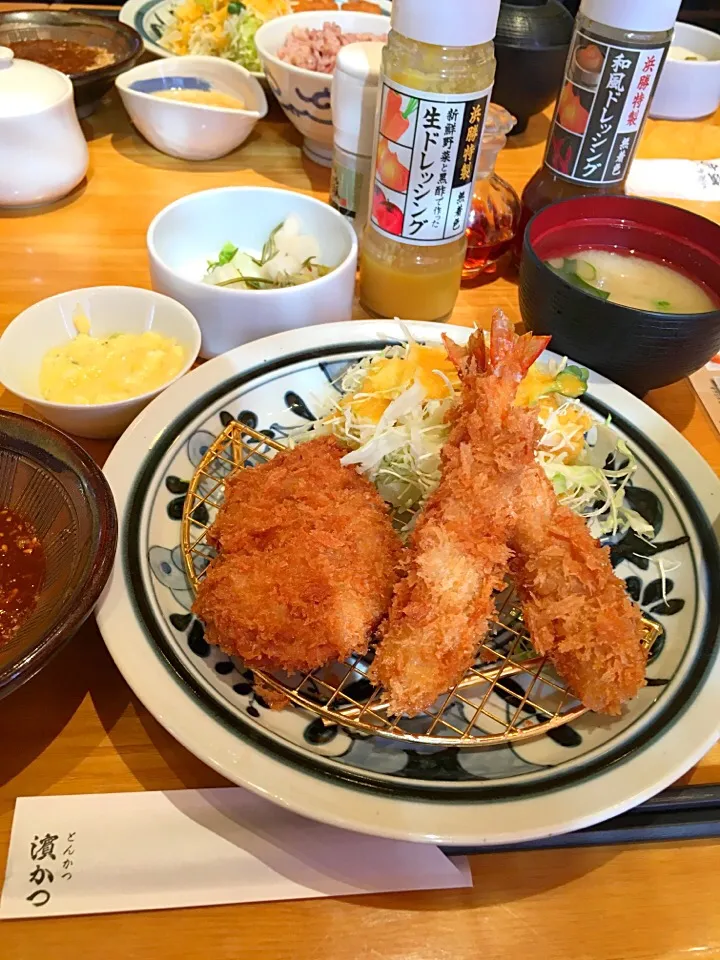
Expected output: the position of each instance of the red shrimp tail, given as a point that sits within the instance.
(511, 355)
(533, 347)
(507, 356)
(471, 358)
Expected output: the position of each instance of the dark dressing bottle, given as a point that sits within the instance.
(616, 55)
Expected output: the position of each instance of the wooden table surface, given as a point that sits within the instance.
(76, 728)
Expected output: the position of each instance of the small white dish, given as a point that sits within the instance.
(689, 89)
(305, 95)
(187, 234)
(192, 131)
(43, 153)
(49, 323)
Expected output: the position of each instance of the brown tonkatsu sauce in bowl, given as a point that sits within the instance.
(91, 51)
(63, 55)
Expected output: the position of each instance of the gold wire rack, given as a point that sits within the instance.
(509, 694)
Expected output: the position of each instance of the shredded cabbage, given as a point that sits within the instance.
(598, 493)
(400, 453)
(217, 30)
(664, 568)
(241, 30)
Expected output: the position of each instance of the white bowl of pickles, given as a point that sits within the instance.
(89, 360)
(252, 261)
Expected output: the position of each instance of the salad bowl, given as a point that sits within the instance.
(151, 18)
(189, 233)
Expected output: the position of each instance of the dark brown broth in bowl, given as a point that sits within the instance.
(63, 55)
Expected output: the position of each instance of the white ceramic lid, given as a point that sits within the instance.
(361, 62)
(459, 23)
(641, 16)
(27, 87)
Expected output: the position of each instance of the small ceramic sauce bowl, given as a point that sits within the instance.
(192, 131)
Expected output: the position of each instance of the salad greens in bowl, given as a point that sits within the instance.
(218, 28)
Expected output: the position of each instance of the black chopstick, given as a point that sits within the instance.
(680, 813)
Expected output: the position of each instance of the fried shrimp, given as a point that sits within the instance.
(495, 511)
(458, 552)
(576, 609)
(307, 562)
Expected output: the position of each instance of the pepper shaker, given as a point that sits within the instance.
(354, 105)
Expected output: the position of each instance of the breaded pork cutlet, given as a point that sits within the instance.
(307, 561)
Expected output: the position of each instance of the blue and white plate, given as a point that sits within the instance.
(572, 777)
(151, 17)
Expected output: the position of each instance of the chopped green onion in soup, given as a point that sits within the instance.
(631, 280)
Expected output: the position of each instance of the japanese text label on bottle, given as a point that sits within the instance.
(427, 150)
(600, 110)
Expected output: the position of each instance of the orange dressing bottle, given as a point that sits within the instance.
(437, 75)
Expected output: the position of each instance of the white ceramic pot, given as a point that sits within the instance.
(305, 95)
(49, 323)
(184, 236)
(43, 154)
(188, 130)
(688, 89)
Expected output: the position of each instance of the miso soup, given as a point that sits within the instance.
(633, 281)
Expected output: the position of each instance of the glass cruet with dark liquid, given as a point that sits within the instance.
(495, 210)
(616, 55)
